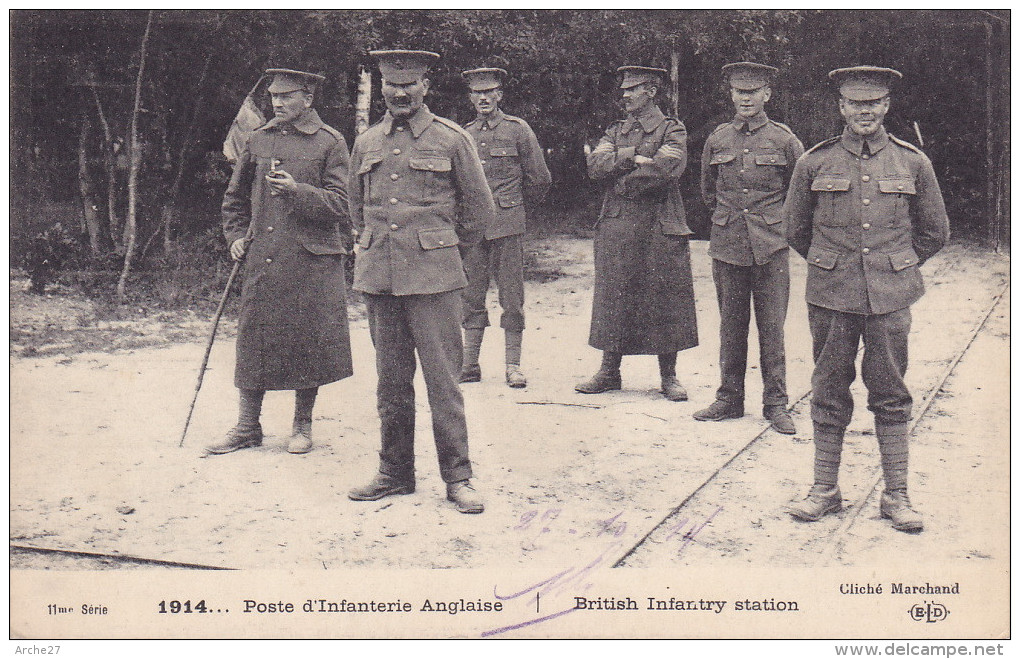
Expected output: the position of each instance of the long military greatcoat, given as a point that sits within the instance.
(292, 330)
(644, 290)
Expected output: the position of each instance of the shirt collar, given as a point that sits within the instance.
(491, 120)
(650, 119)
(418, 122)
(753, 124)
(307, 124)
(854, 143)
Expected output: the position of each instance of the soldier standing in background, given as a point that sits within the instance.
(745, 170)
(418, 200)
(285, 209)
(644, 291)
(865, 210)
(519, 178)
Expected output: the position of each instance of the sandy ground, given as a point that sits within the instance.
(96, 465)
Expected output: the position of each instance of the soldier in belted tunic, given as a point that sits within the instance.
(419, 200)
(644, 291)
(865, 210)
(285, 212)
(519, 178)
(745, 170)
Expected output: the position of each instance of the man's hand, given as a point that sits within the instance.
(280, 182)
(642, 160)
(237, 249)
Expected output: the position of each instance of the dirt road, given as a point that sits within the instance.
(96, 465)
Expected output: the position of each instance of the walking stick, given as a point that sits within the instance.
(209, 344)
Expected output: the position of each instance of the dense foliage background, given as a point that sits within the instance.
(74, 75)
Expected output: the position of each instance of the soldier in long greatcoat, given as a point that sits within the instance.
(285, 213)
(644, 291)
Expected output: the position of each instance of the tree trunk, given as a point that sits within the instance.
(110, 163)
(674, 78)
(96, 223)
(364, 102)
(136, 161)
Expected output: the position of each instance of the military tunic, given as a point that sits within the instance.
(644, 291)
(418, 197)
(865, 213)
(292, 328)
(518, 178)
(745, 170)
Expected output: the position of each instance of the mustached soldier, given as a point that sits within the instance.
(418, 198)
(644, 291)
(518, 177)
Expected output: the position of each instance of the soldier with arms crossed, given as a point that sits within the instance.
(644, 291)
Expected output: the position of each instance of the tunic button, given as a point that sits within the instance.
(747, 151)
(899, 187)
(746, 211)
(865, 156)
(866, 225)
(746, 190)
(270, 229)
(828, 187)
(866, 250)
(394, 227)
(483, 162)
(741, 171)
(866, 201)
(818, 260)
(396, 152)
(442, 242)
(394, 177)
(865, 178)
(400, 128)
(393, 200)
(483, 143)
(269, 260)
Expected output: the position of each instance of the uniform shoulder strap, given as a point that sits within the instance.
(334, 132)
(831, 140)
(449, 123)
(783, 126)
(905, 144)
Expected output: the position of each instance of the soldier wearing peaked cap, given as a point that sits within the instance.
(865, 210)
(644, 293)
(518, 177)
(419, 201)
(745, 170)
(285, 212)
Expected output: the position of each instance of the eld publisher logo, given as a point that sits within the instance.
(929, 612)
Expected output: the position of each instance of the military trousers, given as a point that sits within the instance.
(768, 287)
(403, 326)
(836, 336)
(501, 260)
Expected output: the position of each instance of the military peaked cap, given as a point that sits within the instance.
(480, 80)
(749, 75)
(636, 75)
(289, 80)
(864, 83)
(404, 66)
